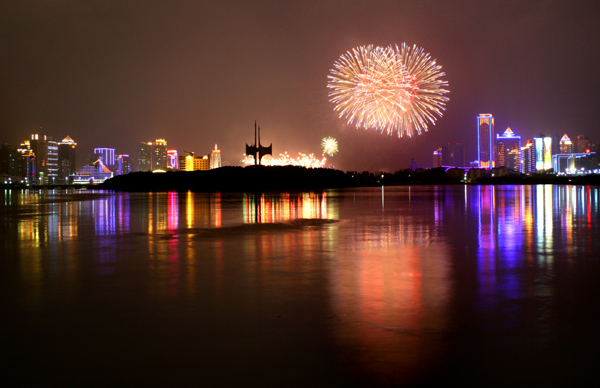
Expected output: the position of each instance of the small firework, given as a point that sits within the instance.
(329, 145)
(393, 89)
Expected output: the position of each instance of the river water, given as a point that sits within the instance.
(413, 286)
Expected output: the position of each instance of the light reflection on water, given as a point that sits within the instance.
(377, 286)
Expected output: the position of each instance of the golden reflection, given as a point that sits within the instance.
(263, 208)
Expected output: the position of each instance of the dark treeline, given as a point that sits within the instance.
(263, 178)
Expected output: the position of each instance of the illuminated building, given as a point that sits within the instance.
(107, 156)
(215, 158)
(566, 145)
(543, 153)
(508, 150)
(46, 158)
(190, 162)
(528, 158)
(575, 163)
(152, 156)
(186, 162)
(144, 156)
(172, 160)
(98, 172)
(66, 159)
(453, 155)
(124, 165)
(159, 155)
(201, 163)
(437, 158)
(485, 147)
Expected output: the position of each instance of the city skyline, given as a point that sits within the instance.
(201, 75)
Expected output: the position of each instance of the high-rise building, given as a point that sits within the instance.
(508, 150)
(543, 153)
(453, 155)
(186, 162)
(152, 156)
(172, 160)
(437, 158)
(528, 158)
(107, 156)
(566, 145)
(485, 140)
(583, 144)
(159, 155)
(67, 153)
(45, 149)
(215, 158)
(124, 165)
(144, 156)
(11, 163)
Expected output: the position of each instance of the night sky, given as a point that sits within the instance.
(114, 73)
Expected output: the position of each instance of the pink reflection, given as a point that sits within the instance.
(263, 208)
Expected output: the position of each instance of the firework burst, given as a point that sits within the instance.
(329, 146)
(397, 89)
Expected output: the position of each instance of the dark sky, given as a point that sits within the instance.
(114, 73)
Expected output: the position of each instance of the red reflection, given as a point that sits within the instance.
(262, 208)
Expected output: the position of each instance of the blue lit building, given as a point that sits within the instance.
(107, 156)
(508, 150)
(485, 140)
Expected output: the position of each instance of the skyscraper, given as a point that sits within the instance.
(215, 158)
(66, 159)
(437, 158)
(124, 165)
(45, 149)
(453, 155)
(144, 156)
(159, 155)
(543, 153)
(528, 158)
(583, 144)
(508, 150)
(566, 145)
(173, 160)
(485, 145)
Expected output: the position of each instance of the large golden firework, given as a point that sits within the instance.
(397, 89)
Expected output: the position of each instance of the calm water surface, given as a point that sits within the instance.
(477, 285)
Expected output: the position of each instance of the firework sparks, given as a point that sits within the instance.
(304, 160)
(395, 89)
(329, 146)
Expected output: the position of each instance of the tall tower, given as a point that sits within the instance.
(453, 155)
(508, 150)
(144, 156)
(215, 158)
(66, 158)
(159, 155)
(485, 140)
(543, 153)
(45, 149)
(565, 145)
(173, 160)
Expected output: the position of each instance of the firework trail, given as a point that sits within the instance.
(329, 146)
(394, 89)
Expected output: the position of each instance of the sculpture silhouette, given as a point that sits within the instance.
(257, 150)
